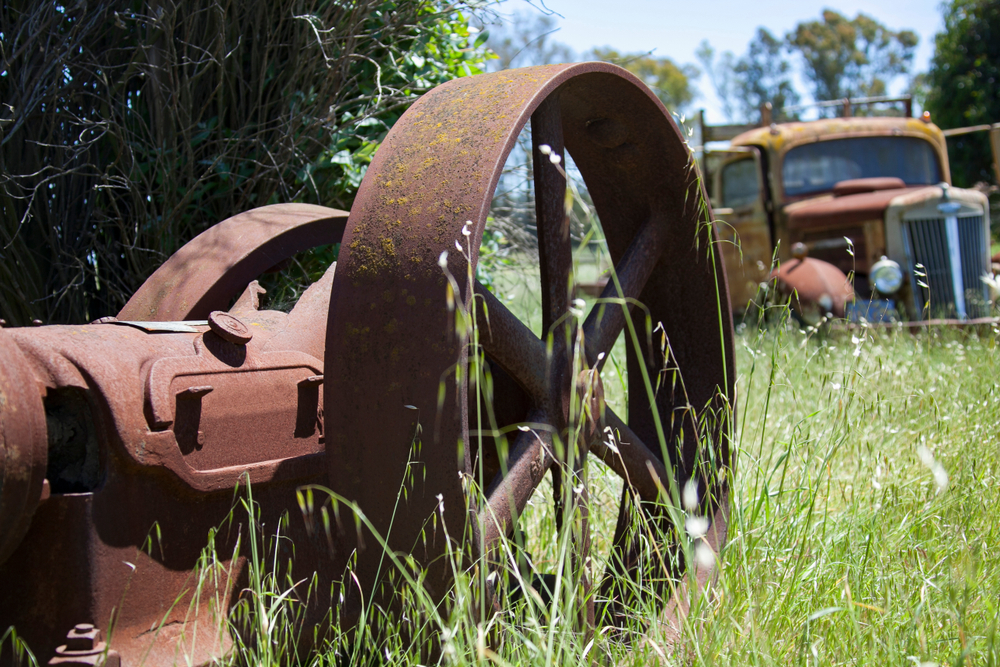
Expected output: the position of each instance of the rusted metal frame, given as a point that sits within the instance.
(511, 344)
(508, 493)
(956, 131)
(518, 351)
(606, 319)
(533, 453)
(530, 458)
(90, 533)
(555, 257)
(554, 250)
(633, 461)
(24, 450)
(399, 236)
(613, 127)
(215, 266)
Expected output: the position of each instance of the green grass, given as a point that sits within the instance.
(865, 502)
(864, 526)
(864, 521)
(864, 531)
(866, 499)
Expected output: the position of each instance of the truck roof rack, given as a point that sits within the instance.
(729, 132)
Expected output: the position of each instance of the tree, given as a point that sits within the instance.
(963, 82)
(764, 75)
(721, 75)
(671, 82)
(849, 58)
(128, 127)
(525, 41)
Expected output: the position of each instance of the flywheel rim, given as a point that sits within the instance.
(389, 315)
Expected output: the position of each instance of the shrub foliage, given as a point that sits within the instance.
(963, 80)
(128, 127)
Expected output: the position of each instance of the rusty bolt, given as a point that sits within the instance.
(229, 328)
(83, 637)
(800, 250)
(85, 647)
(36, 323)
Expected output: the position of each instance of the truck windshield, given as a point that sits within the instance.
(817, 167)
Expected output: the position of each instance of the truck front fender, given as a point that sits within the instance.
(814, 287)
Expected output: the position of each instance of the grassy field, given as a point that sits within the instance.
(864, 522)
(864, 510)
(864, 525)
(865, 503)
(864, 531)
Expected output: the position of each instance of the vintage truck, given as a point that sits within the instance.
(857, 212)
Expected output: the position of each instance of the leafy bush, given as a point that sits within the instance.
(963, 81)
(129, 127)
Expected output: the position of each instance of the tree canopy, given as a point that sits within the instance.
(526, 40)
(851, 57)
(764, 75)
(840, 57)
(963, 84)
(672, 83)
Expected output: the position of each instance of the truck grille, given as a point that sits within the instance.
(927, 244)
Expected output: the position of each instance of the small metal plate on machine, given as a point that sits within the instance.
(168, 327)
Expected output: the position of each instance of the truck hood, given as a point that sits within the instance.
(852, 209)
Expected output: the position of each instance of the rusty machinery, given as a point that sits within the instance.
(122, 441)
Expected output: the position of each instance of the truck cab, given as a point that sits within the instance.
(867, 196)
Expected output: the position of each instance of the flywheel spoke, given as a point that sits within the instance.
(631, 459)
(554, 250)
(519, 352)
(530, 458)
(555, 257)
(511, 344)
(607, 319)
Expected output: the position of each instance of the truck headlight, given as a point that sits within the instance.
(886, 275)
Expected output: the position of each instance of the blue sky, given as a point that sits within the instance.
(674, 28)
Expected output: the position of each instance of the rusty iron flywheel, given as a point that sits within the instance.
(111, 428)
(392, 336)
